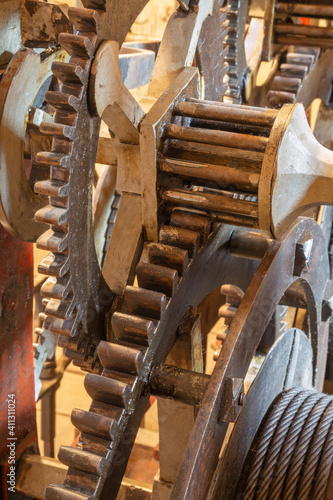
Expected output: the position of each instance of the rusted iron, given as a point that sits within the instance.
(16, 355)
(182, 385)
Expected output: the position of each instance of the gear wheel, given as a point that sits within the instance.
(76, 289)
(145, 332)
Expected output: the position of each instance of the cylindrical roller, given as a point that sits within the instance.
(258, 117)
(323, 43)
(182, 385)
(241, 179)
(298, 9)
(120, 358)
(209, 202)
(216, 137)
(299, 29)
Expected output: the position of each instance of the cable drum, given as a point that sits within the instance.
(292, 454)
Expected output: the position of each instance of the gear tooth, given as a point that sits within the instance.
(52, 188)
(84, 20)
(146, 303)
(107, 390)
(54, 288)
(53, 265)
(51, 215)
(158, 278)
(168, 256)
(58, 130)
(94, 4)
(57, 308)
(120, 358)
(132, 329)
(45, 320)
(61, 101)
(76, 45)
(64, 327)
(181, 238)
(53, 242)
(92, 423)
(193, 222)
(39, 331)
(278, 98)
(81, 460)
(70, 73)
(50, 159)
(77, 480)
(56, 492)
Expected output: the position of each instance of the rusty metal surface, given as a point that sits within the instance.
(252, 317)
(16, 355)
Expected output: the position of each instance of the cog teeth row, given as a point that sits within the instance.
(51, 159)
(147, 303)
(158, 278)
(70, 73)
(76, 45)
(84, 20)
(54, 265)
(51, 215)
(132, 329)
(107, 390)
(58, 130)
(94, 424)
(61, 101)
(53, 241)
(168, 256)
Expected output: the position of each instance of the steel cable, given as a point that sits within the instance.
(292, 454)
